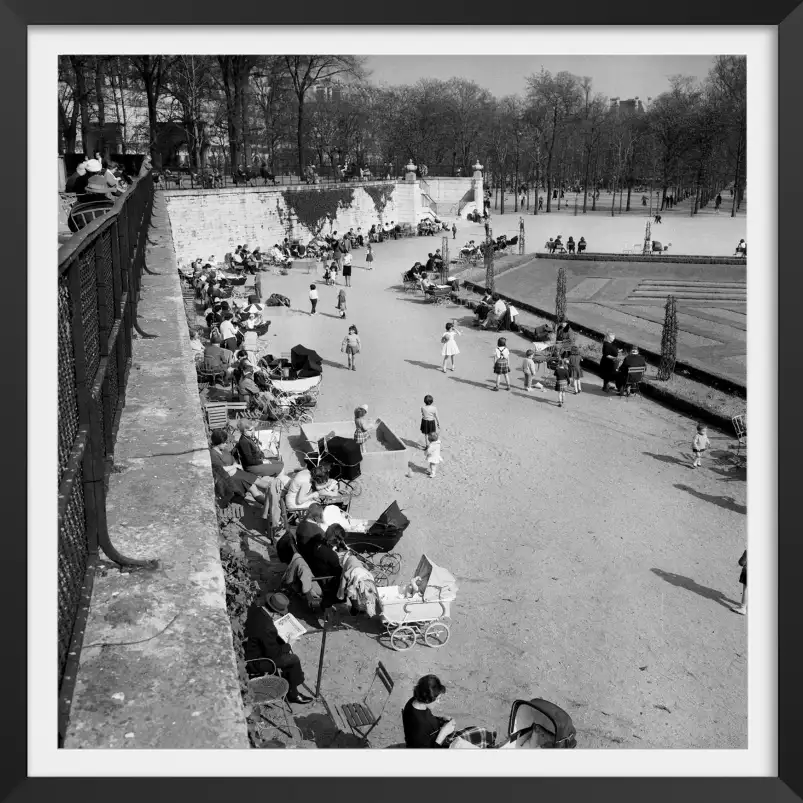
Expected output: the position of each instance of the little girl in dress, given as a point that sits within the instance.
(361, 427)
(449, 349)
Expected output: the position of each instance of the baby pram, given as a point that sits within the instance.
(343, 457)
(421, 610)
(367, 539)
(539, 723)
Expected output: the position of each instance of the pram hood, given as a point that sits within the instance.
(305, 362)
(390, 519)
(436, 583)
(345, 457)
(526, 713)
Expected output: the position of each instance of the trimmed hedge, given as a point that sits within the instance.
(678, 258)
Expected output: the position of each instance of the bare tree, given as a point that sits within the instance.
(68, 106)
(307, 71)
(729, 75)
(190, 83)
(151, 71)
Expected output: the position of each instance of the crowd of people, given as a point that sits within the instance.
(97, 178)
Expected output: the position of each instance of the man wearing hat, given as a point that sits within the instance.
(263, 641)
(78, 180)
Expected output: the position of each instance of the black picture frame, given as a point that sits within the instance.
(15, 15)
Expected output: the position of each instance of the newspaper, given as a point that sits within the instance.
(289, 628)
(269, 441)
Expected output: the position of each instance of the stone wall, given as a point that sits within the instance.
(206, 222)
(449, 192)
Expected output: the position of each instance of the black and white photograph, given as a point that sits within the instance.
(402, 400)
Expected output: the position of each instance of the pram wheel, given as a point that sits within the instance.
(390, 564)
(402, 638)
(350, 487)
(436, 634)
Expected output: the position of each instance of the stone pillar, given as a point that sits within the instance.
(292, 225)
(410, 174)
(445, 256)
(476, 181)
(521, 235)
(489, 257)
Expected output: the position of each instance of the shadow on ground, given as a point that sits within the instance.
(320, 729)
(667, 458)
(422, 364)
(680, 581)
(728, 502)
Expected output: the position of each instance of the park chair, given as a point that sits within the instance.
(364, 716)
(209, 370)
(84, 212)
(408, 285)
(270, 691)
(217, 415)
(633, 379)
(740, 427)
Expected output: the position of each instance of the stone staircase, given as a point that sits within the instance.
(658, 289)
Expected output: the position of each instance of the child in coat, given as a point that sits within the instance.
(561, 380)
(433, 453)
(528, 369)
(313, 298)
(699, 444)
(361, 427)
(575, 370)
(341, 302)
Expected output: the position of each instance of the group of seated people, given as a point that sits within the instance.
(96, 178)
(380, 233)
(741, 249)
(570, 247)
(494, 313)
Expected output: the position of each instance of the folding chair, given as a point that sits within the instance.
(217, 415)
(268, 691)
(210, 370)
(366, 714)
(632, 383)
(740, 427)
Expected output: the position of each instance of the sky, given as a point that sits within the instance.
(614, 76)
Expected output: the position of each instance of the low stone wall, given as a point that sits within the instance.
(157, 668)
(679, 258)
(206, 222)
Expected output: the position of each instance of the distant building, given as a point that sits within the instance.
(629, 106)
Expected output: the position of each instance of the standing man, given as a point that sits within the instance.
(454, 231)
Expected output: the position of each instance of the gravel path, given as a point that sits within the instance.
(596, 568)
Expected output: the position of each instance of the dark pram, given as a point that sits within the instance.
(539, 723)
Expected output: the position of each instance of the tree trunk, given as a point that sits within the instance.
(585, 180)
(613, 198)
(156, 159)
(300, 136)
(537, 186)
(734, 205)
(502, 182)
(83, 102)
(124, 115)
(99, 90)
(549, 162)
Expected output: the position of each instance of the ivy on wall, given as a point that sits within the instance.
(380, 196)
(312, 208)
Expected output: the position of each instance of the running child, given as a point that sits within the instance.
(699, 444)
(351, 347)
(433, 453)
(429, 419)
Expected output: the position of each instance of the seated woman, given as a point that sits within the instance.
(423, 729)
(229, 477)
(581, 245)
(570, 245)
(414, 272)
(308, 487)
(298, 576)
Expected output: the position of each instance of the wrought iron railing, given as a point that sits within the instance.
(98, 290)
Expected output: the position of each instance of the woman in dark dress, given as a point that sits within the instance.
(421, 727)
(607, 365)
(742, 609)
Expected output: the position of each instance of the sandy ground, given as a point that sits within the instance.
(706, 234)
(596, 568)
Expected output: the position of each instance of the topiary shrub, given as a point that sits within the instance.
(560, 295)
(669, 341)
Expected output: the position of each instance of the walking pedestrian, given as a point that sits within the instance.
(742, 609)
(433, 453)
(313, 298)
(561, 380)
(351, 347)
(540, 203)
(454, 231)
(369, 258)
(449, 349)
(699, 445)
(429, 419)
(341, 302)
(607, 365)
(502, 363)
(575, 370)
(347, 258)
